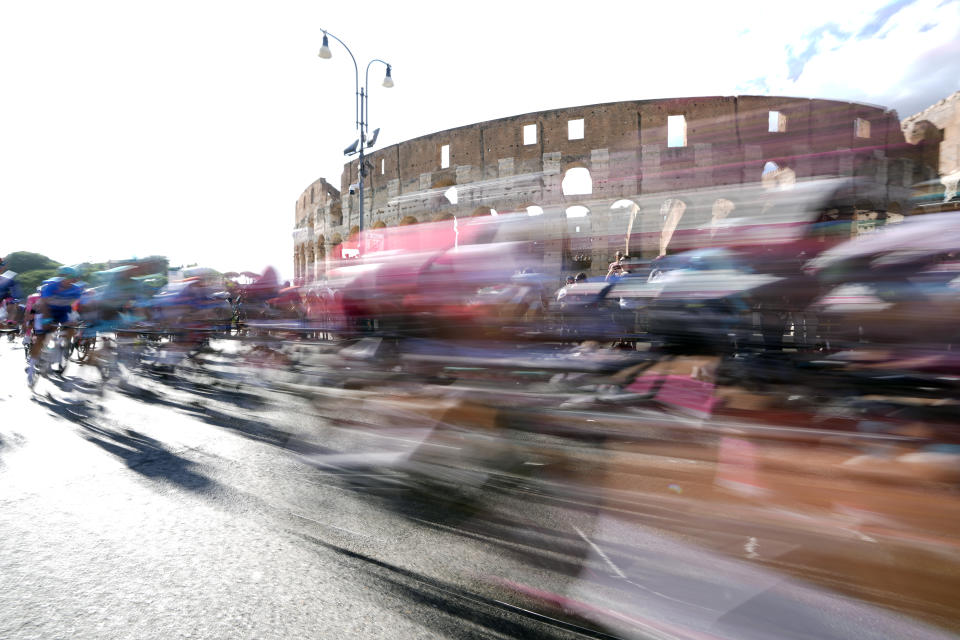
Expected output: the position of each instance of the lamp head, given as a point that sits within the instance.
(325, 48)
(388, 79)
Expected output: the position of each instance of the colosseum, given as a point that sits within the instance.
(593, 172)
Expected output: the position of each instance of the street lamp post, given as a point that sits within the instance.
(362, 111)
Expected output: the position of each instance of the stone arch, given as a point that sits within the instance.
(777, 176)
(310, 263)
(532, 209)
(354, 230)
(577, 181)
(447, 215)
(336, 213)
(623, 204)
(483, 211)
(408, 220)
(919, 131)
(719, 212)
(620, 209)
(336, 246)
(335, 241)
(379, 224)
(443, 183)
(578, 238)
(451, 195)
(321, 249)
(671, 212)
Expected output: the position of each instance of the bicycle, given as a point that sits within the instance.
(84, 344)
(54, 356)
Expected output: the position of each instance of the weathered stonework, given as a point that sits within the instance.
(625, 149)
(943, 116)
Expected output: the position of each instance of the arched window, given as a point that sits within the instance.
(408, 221)
(578, 239)
(379, 224)
(722, 208)
(309, 274)
(451, 195)
(576, 182)
(534, 210)
(628, 209)
(774, 176)
(672, 210)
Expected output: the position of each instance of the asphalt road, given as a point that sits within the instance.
(219, 504)
(169, 508)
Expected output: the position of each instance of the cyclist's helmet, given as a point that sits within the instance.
(68, 272)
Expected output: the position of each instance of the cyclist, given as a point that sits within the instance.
(10, 297)
(57, 296)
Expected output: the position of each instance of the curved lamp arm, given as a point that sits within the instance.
(366, 85)
(356, 69)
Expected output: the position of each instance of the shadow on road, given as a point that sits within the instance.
(139, 452)
(247, 427)
(457, 613)
(78, 412)
(237, 396)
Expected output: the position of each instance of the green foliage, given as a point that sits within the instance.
(31, 268)
(30, 280)
(25, 261)
(34, 268)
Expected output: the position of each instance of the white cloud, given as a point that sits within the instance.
(883, 69)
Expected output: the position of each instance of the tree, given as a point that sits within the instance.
(25, 261)
(31, 268)
(30, 280)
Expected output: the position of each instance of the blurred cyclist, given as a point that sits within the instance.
(57, 296)
(10, 297)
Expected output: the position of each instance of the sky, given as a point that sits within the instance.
(190, 128)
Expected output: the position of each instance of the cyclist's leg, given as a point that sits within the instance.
(39, 338)
(35, 349)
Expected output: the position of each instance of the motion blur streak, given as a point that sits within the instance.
(752, 434)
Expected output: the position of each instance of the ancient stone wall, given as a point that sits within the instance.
(621, 151)
(944, 117)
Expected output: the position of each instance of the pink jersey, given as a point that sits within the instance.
(27, 309)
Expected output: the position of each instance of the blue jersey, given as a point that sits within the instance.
(59, 296)
(8, 286)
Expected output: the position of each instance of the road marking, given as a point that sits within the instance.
(327, 524)
(599, 551)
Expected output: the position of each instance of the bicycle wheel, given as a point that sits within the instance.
(83, 348)
(58, 353)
